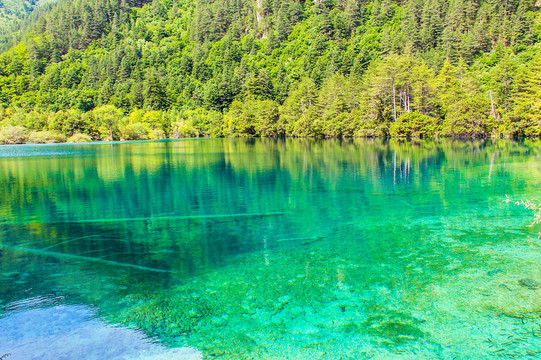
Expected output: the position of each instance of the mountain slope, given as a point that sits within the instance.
(278, 67)
(16, 15)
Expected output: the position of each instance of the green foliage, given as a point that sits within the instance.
(107, 117)
(275, 68)
(79, 138)
(195, 123)
(525, 118)
(136, 131)
(469, 117)
(253, 117)
(299, 109)
(13, 135)
(46, 137)
(414, 124)
(15, 15)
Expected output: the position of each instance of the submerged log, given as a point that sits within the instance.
(157, 218)
(64, 256)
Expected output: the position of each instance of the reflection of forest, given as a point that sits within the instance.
(328, 225)
(276, 190)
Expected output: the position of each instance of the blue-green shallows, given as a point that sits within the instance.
(271, 249)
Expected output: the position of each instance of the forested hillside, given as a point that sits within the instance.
(127, 69)
(15, 17)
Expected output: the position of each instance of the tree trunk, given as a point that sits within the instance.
(493, 111)
(408, 98)
(394, 102)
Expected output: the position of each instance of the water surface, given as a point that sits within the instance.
(271, 249)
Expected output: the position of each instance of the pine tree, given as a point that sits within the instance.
(154, 91)
(525, 119)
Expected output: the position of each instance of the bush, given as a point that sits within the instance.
(79, 138)
(34, 120)
(533, 130)
(414, 124)
(195, 123)
(67, 122)
(468, 117)
(136, 131)
(158, 134)
(13, 135)
(46, 137)
(184, 129)
(370, 128)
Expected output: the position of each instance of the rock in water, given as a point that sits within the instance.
(530, 284)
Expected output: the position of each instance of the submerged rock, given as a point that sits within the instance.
(530, 283)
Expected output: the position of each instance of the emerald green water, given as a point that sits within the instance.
(271, 249)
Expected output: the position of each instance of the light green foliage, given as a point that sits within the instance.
(299, 109)
(139, 131)
(414, 124)
(253, 117)
(337, 99)
(194, 123)
(525, 119)
(184, 129)
(67, 122)
(449, 89)
(469, 117)
(136, 131)
(46, 137)
(13, 135)
(79, 138)
(108, 118)
(14, 18)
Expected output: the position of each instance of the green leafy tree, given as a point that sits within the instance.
(525, 119)
(107, 117)
(469, 117)
(298, 110)
(414, 124)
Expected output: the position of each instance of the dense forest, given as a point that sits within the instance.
(135, 69)
(16, 16)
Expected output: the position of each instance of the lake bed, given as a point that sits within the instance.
(273, 249)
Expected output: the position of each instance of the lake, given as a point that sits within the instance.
(270, 249)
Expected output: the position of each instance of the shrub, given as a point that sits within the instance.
(13, 135)
(534, 129)
(46, 137)
(469, 117)
(414, 124)
(136, 131)
(184, 129)
(34, 120)
(158, 134)
(79, 138)
(370, 128)
(195, 123)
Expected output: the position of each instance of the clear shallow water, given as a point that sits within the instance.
(47, 330)
(294, 249)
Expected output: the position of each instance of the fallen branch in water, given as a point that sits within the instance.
(158, 218)
(528, 204)
(63, 256)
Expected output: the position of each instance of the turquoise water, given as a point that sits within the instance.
(270, 249)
